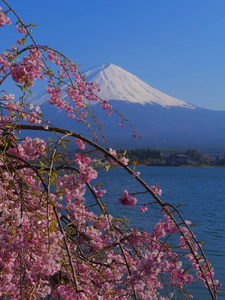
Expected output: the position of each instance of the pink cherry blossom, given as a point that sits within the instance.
(20, 42)
(99, 192)
(156, 190)
(122, 159)
(30, 148)
(143, 209)
(136, 174)
(4, 19)
(80, 144)
(21, 30)
(127, 200)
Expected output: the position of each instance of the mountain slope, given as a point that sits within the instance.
(172, 128)
(163, 121)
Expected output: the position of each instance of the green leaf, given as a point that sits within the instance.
(107, 168)
(13, 230)
(64, 145)
(42, 164)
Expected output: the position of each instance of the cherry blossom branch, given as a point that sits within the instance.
(104, 151)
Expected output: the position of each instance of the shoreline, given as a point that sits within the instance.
(183, 166)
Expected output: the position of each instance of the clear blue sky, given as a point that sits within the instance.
(176, 46)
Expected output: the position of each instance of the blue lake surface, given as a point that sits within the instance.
(202, 193)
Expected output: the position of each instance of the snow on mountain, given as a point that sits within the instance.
(118, 84)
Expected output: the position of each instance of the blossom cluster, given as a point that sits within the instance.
(33, 115)
(106, 106)
(4, 63)
(80, 144)
(29, 69)
(123, 159)
(36, 245)
(127, 200)
(21, 30)
(4, 19)
(21, 234)
(87, 173)
(29, 148)
(156, 190)
(76, 97)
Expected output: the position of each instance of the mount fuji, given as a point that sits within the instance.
(118, 84)
(163, 121)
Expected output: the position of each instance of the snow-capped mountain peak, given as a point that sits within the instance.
(118, 84)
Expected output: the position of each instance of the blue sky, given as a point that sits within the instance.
(175, 46)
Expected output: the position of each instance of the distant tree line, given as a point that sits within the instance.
(149, 156)
(142, 155)
(197, 156)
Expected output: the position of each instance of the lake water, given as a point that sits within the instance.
(202, 193)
